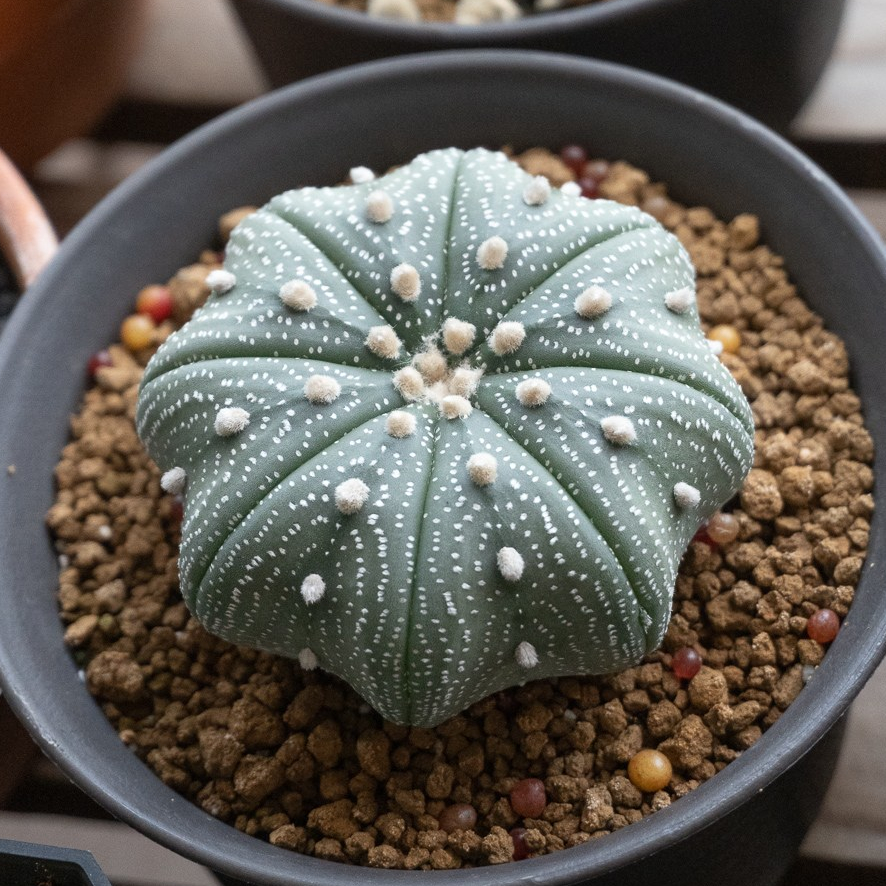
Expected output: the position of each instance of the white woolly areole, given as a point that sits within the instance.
(383, 342)
(686, 496)
(593, 302)
(510, 564)
(360, 175)
(230, 420)
(458, 335)
(491, 253)
(537, 191)
(405, 282)
(715, 346)
(400, 423)
(680, 300)
(313, 588)
(571, 189)
(351, 495)
(463, 381)
(507, 337)
(483, 469)
(174, 481)
(525, 655)
(322, 389)
(533, 392)
(298, 295)
(431, 364)
(307, 659)
(618, 429)
(455, 406)
(220, 280)
(379, 207)
(400, 10)
(409, 383)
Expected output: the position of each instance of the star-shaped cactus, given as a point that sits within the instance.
(443, 432)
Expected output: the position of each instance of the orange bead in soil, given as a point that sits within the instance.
(728, 336)
(156, 302)
(649, 770)
(722, 528)
(528, 797)
(137, 332)
(823, 626)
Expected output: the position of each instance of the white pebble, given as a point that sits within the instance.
(618, 429)
(510, 564)
(398, 10)
(379, 207)
(230, 420)
(482, 468)
(400, 423)
(571, 189)
(593, 302)
(507, 337)
(313, 588)
(383, 342)
(409, 383)
(680, 300)
(537, 191)
(458, 335)
(322, 389)
(478, 12)
(491, 253)
(454, 406)
(525, 655)
(686, 496)
(533, 392)
(307, 659)
(405, 282)
(174, 481)
(221, 281)
(298, 295)
(351, 495)
(360, 175)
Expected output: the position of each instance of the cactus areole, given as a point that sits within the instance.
(443, 432)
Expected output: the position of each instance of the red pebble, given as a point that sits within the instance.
(156, 302)
(457, 817)
(596, 169)
(521, 850)
(575, 157)
(528, 798)
(176, 509)
(704, 538)
(686, 663)
(823, 626)
(588, 187)
(96, 361)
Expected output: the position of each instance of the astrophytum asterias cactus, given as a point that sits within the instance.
(443, 432)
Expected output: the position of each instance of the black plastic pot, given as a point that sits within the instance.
(764, 56)
(32, 864)
(740, 827)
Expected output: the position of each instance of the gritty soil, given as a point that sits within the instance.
(299, 759)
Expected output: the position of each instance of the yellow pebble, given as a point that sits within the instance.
(649, 770)
(728, 336)
(137, 332)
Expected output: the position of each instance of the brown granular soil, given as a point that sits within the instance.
(298, 759)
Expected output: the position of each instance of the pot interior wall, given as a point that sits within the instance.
(312, 134)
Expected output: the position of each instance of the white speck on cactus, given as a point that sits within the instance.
(458, 335)
(405, 282)
(533, 392)
(510, 564)
(313, 588)
(525, 655)
(454, 406)
(482, 468)
(618, 429)
(383, 341)
(715, 346)
(230, 420)
(307, 660)
(680, 300)
(351, 495)
(537, 191)
(221, 281)
(298, 295)
(174, 481)
(379, 207)
(463, 381)
(507, 337)
(593, 302)
(491, 253)
(360, 175)
(399, 10)
(409, 383)
(686, 496)
(571, 189)
(400, 423)
(322, 389)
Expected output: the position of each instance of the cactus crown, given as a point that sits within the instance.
(443, 432)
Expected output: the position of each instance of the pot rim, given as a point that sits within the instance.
(806, 721)
(442, 34)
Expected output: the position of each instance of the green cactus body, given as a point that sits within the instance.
(444, 432)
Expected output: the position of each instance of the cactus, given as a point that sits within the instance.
(443, 432)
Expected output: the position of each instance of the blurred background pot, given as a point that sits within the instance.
(32, 864)
(763, 56)
(744, 825)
